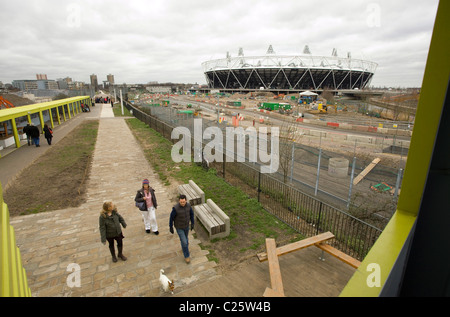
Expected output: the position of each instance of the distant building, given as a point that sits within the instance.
(94, 82)
(41, 84)
(41, 76)
(26, 84)
(286, 73)
(110, 79)
(47, 84)
(64, 83)
(159, 89)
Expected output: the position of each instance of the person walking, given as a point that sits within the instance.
(147, 195)
(35, 134)
(26, 130)
(48, 133)
(180, 216)
(109, 225)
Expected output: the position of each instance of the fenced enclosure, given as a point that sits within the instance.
(304, 213)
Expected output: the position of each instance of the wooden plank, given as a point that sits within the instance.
(207, 218)
(222, 217)
(199, 213)
(339, 254)
(366, 171)
(217, 219)
(274, 267)
(211, 219)
(198, 190)
(192, 196)
(271, 293)
(298, 245)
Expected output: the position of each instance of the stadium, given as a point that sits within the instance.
(288, 72)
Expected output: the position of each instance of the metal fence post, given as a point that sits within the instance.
(223, 162)
(292, 160)
(259, 183)
(320, 215)
(397, 184)
(351, 182)
(318, 173)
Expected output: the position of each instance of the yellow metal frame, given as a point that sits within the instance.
(385, 251)
(73, 105)
(13, 278)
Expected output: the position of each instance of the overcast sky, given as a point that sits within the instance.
(167, 40)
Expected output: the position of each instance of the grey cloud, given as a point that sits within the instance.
(139, 41)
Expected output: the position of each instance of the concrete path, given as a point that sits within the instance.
(54, 244)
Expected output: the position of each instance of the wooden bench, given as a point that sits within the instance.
(194, 195)
(215, 221)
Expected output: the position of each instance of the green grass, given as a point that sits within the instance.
(117, 110)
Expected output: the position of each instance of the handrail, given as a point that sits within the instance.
(13, 278)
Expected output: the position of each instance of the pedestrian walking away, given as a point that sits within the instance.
(180, 216)
(35, 134)
(27, 131)
(110, 222)
(48, 133)
(146, 196)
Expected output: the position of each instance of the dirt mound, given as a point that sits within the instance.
(16, 100)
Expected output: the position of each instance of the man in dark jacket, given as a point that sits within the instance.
(181, 214)
(35, 134)
(26, 130)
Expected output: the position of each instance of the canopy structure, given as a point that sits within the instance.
(308, 93)
(69, 108)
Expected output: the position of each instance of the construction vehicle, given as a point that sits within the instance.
(319, 109)
(5, 103)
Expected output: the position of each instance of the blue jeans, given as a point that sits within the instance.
(183, 234)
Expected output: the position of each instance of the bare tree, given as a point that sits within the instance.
(327, 95)
(289, 135)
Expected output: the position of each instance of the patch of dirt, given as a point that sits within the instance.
(47, 185)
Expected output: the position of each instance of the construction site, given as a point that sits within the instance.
(327, 140)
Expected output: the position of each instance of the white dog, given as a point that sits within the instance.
(166, 284)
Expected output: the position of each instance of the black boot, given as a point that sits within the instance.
(120, 255)
(113, 253)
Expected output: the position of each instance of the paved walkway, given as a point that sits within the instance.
(50, 242)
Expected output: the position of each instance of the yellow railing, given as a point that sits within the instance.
(69, 106)
(383, 255)
(13, 278)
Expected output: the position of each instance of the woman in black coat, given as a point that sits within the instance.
(35, 134)
(48, 133)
